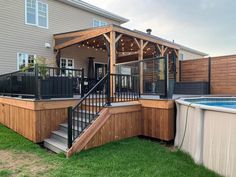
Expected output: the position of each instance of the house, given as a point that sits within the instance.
(187, 53)
(94, 63)
(28, 26)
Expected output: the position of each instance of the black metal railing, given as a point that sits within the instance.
(18, 83)
(124, 87)
(43, 82)
(86, 111)
(154, 72)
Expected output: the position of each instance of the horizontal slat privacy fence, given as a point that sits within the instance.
(220, 72)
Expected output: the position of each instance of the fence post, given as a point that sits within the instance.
(209, 75)
(82, 83)
(69, 127)
(180, 71)
(37, 85)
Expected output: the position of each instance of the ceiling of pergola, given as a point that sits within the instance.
(126, 46)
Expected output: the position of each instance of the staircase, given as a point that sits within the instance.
(58, 141)
(83, 115)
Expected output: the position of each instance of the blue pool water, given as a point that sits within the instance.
(219, 102)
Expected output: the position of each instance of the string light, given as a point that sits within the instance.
(87, 42)
(94, 41)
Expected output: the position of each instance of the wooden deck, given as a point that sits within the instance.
(35, 120)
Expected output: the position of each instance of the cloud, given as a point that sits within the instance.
(206, 25)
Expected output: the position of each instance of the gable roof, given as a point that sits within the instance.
(96, 10)
(181, 47)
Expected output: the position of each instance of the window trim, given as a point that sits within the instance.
(73, 62)
(37, 15)
(26, 62)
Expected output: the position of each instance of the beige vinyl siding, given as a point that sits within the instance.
(190, 55)
(80, 56)
(16, 36)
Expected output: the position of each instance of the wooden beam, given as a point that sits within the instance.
(176, 52)
(107, 38)
(159, 48)
(144, 45)
(118, 38)
(143, 37)
(165, 48)
(82, 32)
(136, 41)
(123, 54)
(78, 40)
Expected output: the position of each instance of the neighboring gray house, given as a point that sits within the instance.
(27, 28)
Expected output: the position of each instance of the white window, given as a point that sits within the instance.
(181, 56)
(67, 63)
(98, 23)
(24, 60)
(36, 13)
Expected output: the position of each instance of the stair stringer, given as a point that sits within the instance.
(89, 133)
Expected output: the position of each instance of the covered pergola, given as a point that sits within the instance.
(121, 45)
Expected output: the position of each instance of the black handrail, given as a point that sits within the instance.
(126, 89)
(86, 111)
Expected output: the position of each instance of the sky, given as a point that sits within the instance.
(205, 25)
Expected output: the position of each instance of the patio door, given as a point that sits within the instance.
(100, 70)
(66, 63)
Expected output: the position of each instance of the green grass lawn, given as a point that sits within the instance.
(132, 157)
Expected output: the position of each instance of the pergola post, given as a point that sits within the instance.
(140, 57)
(112, 61)
(112, 51)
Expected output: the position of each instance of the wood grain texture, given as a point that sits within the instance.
(118, 126)
(158, 123)
(194, 70)
(35, 120)
(223, 73)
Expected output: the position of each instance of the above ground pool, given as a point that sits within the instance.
(206, 129)
(229, 102)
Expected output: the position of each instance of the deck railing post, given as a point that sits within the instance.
(108, 74)
(37, 85)
(82, 83)
(11, 84)
(166, 76)
(70, 127)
